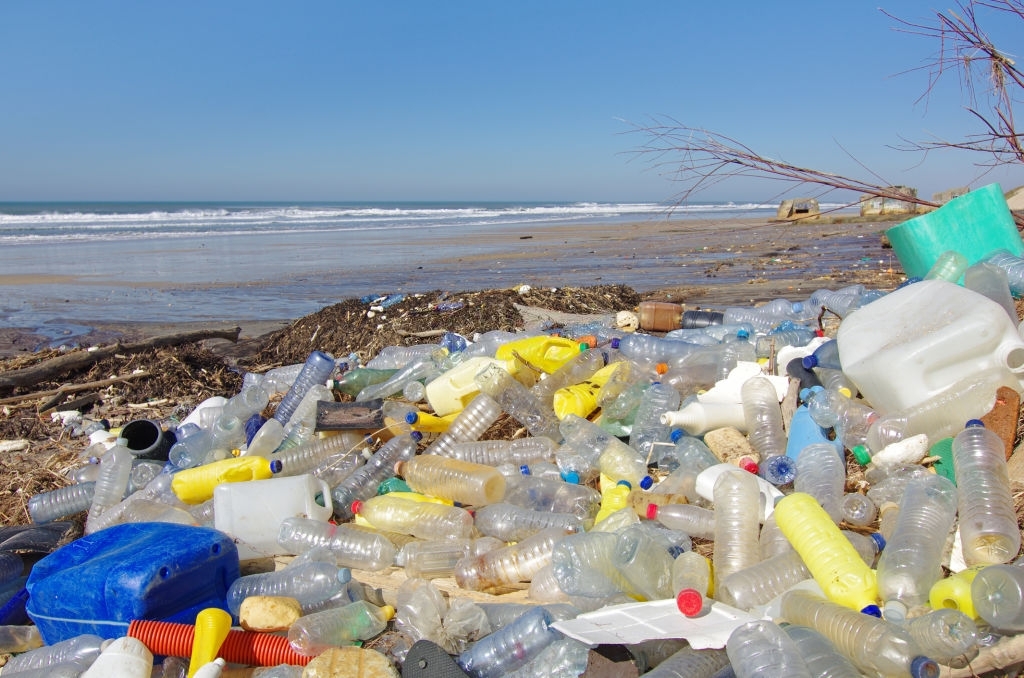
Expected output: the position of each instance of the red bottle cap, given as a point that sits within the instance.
(690, 602)
(652, 511)
(748, 464)
(356, 506)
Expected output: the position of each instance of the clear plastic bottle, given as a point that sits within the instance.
(518, 402)
(425, 368)
(355, 380)
(397, 357)
(690, 663)
(460, 481)
(432, 559)
(46, 507)
(311, 634)
(112, 483)
(1013, 265)
(593, 443)
(858, 509)
(618, 463)
(988, 522)
(496, 452)
(831, 558)
(300, 427)
(772, 541)
(826, 355)
(425, 520)
(696, 521)
(509, 522)
(468, 425)
(949, 266)
(578, 369)
(645, 564)
(307, 456)
(839, 302)
(228, 430)
(991, 281)
(852, 419)
(511, 647)
(648, 430)
(308, 583)
(763, 417)
(691, 570)
(649, 348)
(758, 649)
(821, 473)
(584, 565)
(912, 560)
(351, 547)
(874, 645)
(363, 482)
(948, 636)
(509, 565)
(997, 593)
(761, 582)
(737, 507)
(546, 494)
(820, 655)
(767, 345)
(81, 650)
(687, 458)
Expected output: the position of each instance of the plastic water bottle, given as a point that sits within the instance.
(301, 426)
(826, 355)
(511, 647)
(1013, 265)
(763, 417)
(593, 443)
(460, 481)
(821, 473)
(991, 281)
(425, 520)
(308, 583)
(831, 558)
(761, 648)
(81, 650)
(425, 368)
(820, 655)
(761, 582)
(518, 402)
(851, 419)
(858, 509)
(362, 483)
(509, 565)
(584, 565)
(511, 523)
(949, 266)
(644, 562)
(736, 500)
(686, 459)
(355, 380)
(997, 593)
(649, 348)
(311, 634)
(948, 636)
(690, 663)
(648, 430)
(45, 507)
(696, 521)
(546, 494)
(468, 425)
(578, 369)
(496, 452)
(988, 522)
(876, 646)
(351, 547)
(397, 357)
(432, 559)
(110, 487)
(309, 455)
(912, 560)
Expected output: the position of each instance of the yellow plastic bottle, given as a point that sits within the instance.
(195, 485)
(581, 399)
(543, 352)
(954, 592)
(614, 496)
(827, 553)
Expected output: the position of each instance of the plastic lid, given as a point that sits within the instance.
(661, 368)
(676, 434)
(571, 477)
(809, 361)
(276, 466)
(748, 464)
(879, 540)
(742, 334)
(344, 575)
(357, 506)
(524, 469)
(861, 454)
(894, 611)
(922, 667)
(387, 611)
(646, 482)
(652, 511)
(872, 610)
(417, 436)
(973, 423)
(690, 602)
(615, 342)
(624, 482)
(584, 346)
(411, 417)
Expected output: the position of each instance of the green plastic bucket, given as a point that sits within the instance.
(975, 225)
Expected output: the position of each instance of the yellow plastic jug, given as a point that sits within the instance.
(196, 485)
(543, 352)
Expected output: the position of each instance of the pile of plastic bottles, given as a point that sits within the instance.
(635, 453)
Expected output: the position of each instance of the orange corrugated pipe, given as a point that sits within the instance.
(240, 647)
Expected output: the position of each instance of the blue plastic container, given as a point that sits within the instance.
(159, 571)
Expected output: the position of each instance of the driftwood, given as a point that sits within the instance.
(73, 388)
(76, 360)
(332, 416)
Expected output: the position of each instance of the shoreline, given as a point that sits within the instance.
(703, 263)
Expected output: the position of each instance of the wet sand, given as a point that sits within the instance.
(702, 263)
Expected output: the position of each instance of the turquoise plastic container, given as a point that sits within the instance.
(975, 225)
(101, 582)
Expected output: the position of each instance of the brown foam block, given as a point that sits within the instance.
(1003, 417)
(729, 445)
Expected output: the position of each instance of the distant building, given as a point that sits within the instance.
(798, 208)
(874, 206)
(945, 196)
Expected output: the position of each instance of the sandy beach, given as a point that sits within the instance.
(704, 263)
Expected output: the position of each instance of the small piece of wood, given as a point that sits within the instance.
(75, 360)
(81, 404)
(332, 416)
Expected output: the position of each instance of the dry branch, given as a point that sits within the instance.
(76, 360)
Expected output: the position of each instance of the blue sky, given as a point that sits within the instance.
(458, 100)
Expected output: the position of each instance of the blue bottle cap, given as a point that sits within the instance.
(417, 436)
(276, 466)
(923, 667)
(872, 610)
(879, 540)
(798, 307)
(411, 417)
(646, 482)
(676, 434)
(742, 334)
(626, 483)
(974, 423)
(571, 477)
(615, 342)
(809, 361)
(524, 469)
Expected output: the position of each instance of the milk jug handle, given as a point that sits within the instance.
(325, 492)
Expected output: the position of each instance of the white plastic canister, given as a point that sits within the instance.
(914, 343)
(252, 511)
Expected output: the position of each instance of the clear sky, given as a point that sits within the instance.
(459, 100)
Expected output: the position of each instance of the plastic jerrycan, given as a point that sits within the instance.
(917, 341)
(252, 511)
(544, 352)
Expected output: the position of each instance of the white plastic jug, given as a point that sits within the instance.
(452, 391)
(916, 342)
(252, 511)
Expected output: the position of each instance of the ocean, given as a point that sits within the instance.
(188, 262)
